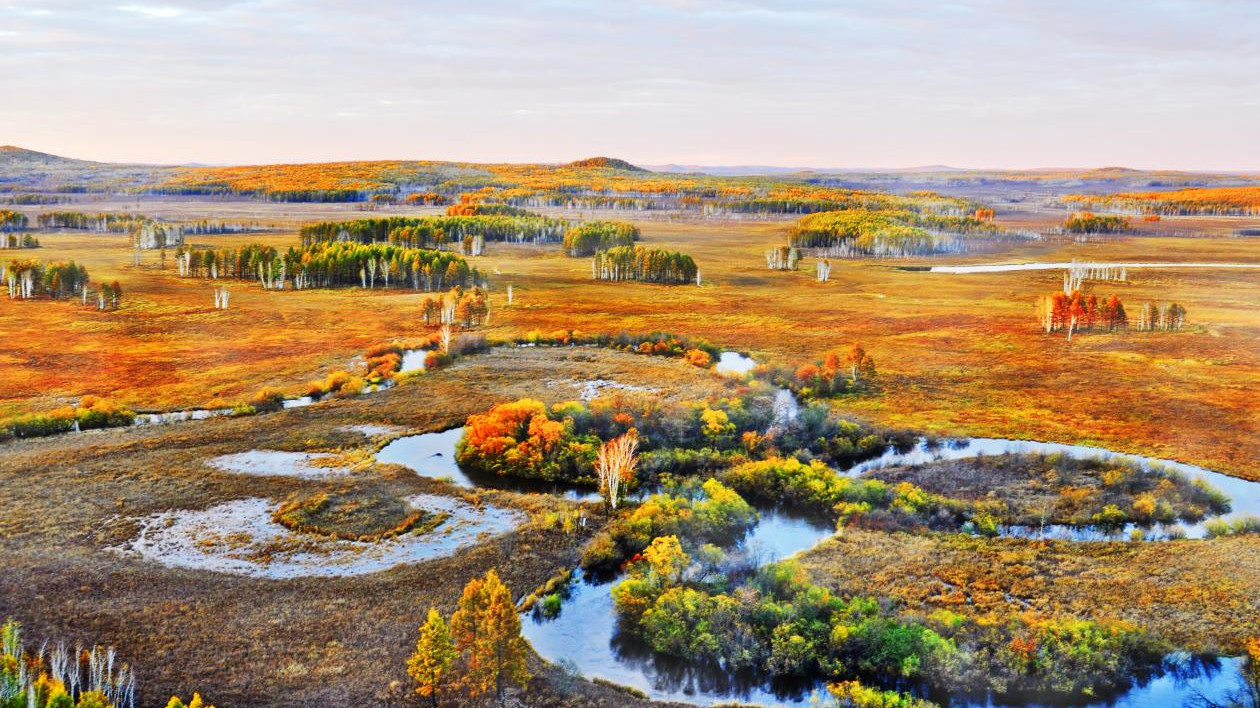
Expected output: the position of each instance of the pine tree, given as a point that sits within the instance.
(435, 650)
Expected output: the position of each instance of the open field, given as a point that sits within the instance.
(957, 354)
(678, 354)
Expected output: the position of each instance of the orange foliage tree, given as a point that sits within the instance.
(521, 439)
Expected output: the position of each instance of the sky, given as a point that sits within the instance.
(849, 83)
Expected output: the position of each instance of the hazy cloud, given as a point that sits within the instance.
(1158, 83)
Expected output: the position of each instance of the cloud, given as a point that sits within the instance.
(164, 13)
(848, 82)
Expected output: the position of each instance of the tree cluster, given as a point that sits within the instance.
(1077, 311)
(775, 621)
(587, 238)
(18, 241)
(651, 265)
(458, 307)
(524, 439)
(12, 220)
(1161, 317)
(836, 374)
(332, 264)
(30, 278)
(479, 651)
(1085, 222)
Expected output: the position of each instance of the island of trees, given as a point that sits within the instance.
(649, 265)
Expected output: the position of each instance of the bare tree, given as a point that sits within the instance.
(614, 465)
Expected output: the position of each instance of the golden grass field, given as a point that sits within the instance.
(957, 353)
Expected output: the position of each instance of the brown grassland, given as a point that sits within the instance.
(295, 642)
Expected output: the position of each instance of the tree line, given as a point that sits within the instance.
(332, 264)
(115, 223)
(1223, 201)
(470, 208)
(856, 232)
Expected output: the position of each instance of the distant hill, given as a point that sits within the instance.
(14, 155)
(755, 170)
(610, 163)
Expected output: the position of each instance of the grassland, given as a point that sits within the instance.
(957, 354)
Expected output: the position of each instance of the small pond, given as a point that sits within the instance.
(734, 363)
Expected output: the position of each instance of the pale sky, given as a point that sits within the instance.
(852, 83)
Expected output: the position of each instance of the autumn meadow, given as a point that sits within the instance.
(427, 433)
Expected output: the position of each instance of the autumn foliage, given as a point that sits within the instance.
(522, 439)
(1079, 311)
(1234, 201)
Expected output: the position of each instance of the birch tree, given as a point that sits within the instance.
(615, 467)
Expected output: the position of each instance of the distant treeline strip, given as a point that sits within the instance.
(886, 233)
(1220, 201)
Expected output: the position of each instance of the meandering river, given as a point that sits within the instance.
(585, 634)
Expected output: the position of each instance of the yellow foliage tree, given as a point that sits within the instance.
(435, 650)
(196, 702)
(667, 558)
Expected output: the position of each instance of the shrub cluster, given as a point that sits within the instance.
(709, 512)
(92, 412)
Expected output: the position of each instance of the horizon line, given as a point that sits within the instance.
(647, 164)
